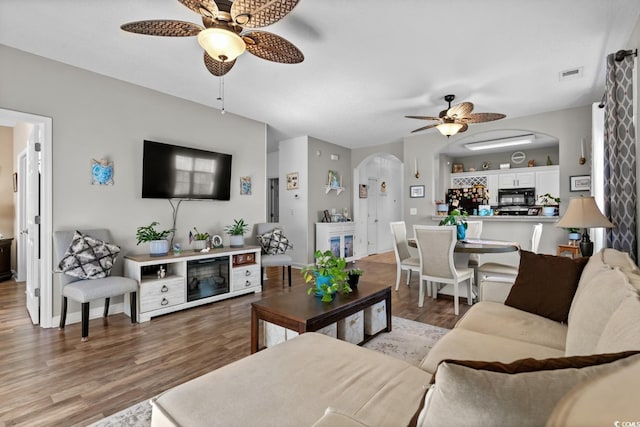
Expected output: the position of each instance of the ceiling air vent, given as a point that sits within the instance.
(573, 73)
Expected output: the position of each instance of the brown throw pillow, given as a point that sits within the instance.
(546, 284)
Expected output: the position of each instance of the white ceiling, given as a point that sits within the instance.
(368, 63)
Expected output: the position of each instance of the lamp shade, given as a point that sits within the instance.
(448, 129)
(221, 44)
(583, 213)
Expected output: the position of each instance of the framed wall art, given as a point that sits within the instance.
(416, 191)
(580, 183)
(292, 181)
(364, 193)
(245, 185)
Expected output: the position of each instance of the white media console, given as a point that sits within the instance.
(191, 279)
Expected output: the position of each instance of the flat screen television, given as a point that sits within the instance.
(175, 172)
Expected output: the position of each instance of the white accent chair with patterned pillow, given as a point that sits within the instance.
(84, 260)
(274, 244)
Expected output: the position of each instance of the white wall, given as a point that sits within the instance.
(294, 208)
(95, 116)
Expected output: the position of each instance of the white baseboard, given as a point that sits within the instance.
(94, 313)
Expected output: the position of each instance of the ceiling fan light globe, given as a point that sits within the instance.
(449, 129)
(221, 44)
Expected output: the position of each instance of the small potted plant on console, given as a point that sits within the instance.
(198, 240)
(236, 232)
(328, 274)
(158, 244)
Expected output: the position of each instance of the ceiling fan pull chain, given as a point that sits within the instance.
(221, 94)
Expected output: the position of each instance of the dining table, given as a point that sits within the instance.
(465, 247)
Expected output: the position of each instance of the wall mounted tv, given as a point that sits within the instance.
(175, 172)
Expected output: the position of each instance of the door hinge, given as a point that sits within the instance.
(36, 292)
(36, 219)
(38, 146)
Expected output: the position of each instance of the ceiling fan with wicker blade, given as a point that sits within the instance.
(223, 35)
(457, 118)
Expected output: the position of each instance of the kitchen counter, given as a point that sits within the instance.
(506, 218)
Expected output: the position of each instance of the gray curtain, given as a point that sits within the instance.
(620, 156)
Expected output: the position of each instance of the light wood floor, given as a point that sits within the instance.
(48, 377)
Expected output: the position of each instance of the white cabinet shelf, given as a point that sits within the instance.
(338, 237)
(192, 279)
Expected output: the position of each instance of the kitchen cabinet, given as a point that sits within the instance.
(517, 180)
(548, 181)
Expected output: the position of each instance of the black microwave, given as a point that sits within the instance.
(517, 197)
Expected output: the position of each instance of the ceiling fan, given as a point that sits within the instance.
(223, 36)
(457, 118)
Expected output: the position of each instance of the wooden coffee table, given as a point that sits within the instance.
(298, 311)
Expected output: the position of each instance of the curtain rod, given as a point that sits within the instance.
(619, 56)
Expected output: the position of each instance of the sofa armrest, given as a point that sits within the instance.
(495, 289)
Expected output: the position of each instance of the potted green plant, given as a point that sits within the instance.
(328, 275)
(458, 219)
(549, 204)
(158, 244)
(354, 277)
(198, 240)
(236, 232)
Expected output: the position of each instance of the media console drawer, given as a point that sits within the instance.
(245, 277)
(161, 293)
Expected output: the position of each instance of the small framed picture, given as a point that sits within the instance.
(580, 183)
(216, 241)
(363, 191)
(245, 185)
(416, 191)
(457, 168)
(292, 181)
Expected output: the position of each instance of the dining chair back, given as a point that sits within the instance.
(405, 260)
(474, 231)
(86, 290)
(436, 245)
(494, 269)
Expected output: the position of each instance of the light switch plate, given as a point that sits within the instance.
(413, 211)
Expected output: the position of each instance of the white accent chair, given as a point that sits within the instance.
(278, 260)
(86, 290)
(495, 269)
(405, 260)
(435, 246)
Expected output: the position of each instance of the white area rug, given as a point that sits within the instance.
(408, 340)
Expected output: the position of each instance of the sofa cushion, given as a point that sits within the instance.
(622, 331)
(591, 311)
(524, 392)
(334, 418)
(88, 257)
(463, 344)
(291, 384)
(546, 284)
(601, 401)
(498, 319)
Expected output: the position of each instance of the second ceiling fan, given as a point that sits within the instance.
(457, 118)
(223, 37)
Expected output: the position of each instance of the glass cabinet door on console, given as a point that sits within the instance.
(338, 237)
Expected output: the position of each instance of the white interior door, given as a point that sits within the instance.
(33, 223)
(21, 219)
(372, 216)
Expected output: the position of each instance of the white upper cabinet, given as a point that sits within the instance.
(548, 181)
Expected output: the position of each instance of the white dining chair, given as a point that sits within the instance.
(405, 260)
(495, 269)
(474, 231)
(435, 247)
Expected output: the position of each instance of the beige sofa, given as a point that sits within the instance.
(316, 380)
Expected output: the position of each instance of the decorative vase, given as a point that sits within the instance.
(236, 241)
(199, 245)
(549, 210)
(461, 231)
(158, 247)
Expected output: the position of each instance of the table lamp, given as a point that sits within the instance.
(584, 213)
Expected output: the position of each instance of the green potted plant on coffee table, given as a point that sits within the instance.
(354, 277)
(158, 244)
(328, 274)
